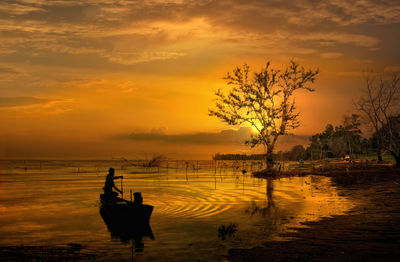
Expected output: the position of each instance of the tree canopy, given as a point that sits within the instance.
(338, 141)
(264, 100)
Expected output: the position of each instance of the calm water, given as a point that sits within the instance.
(56, 202)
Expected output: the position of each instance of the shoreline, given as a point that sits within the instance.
(368, 232)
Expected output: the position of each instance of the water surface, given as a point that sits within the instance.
(56, 202)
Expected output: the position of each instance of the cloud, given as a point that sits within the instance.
(341, 38)
(363, 11)
(34, 105)
(228, 136)
(131, 58)
(21, 101)
(331, 55)
(128, 33)
(7, 70)
(225, 137)
(127, 87)
(392, 68)
(339, 12)
(19, 9)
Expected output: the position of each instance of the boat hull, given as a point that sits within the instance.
(126, 212)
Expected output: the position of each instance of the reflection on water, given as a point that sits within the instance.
(56, 202)
(125, 229)
(267, 210)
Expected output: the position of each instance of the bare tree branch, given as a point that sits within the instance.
(380, 105)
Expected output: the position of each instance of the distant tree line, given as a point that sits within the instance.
(219, 156)
(335, 142)
(346, 139)
(339, 141)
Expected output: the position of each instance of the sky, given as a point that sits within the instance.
(110, 79)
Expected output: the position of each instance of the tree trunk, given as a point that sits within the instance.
(379, 154)
(320, 153)
(379, 147)
(396, 158)
(269, 159)
(270, 190)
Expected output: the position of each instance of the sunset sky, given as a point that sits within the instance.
(107, 79)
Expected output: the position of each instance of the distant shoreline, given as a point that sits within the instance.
(332, 170)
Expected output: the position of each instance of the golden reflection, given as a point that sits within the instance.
(56, 196)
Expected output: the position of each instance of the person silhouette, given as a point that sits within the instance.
(109, 185)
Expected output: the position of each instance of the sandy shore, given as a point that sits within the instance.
(368, 232)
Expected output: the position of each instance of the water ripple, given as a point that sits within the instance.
(183, 201)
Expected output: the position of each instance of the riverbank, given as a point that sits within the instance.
(368, 232)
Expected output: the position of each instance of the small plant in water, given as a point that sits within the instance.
(229, 231)
(155, 161)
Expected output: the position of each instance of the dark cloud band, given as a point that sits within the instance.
(224, 137)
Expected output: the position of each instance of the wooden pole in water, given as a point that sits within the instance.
(187, 170)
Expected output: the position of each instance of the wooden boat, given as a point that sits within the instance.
(127, 211)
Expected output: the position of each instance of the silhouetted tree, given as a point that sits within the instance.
(390, 134)
(379, 104)
(346, 138)
(297, 153)
(366, 146)
(339, 140)
(264, 101)
(320, 142)
(352, 133)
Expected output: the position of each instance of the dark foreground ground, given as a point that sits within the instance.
(369, 232)
(69, 252)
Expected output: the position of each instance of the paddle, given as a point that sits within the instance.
(131, 195)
